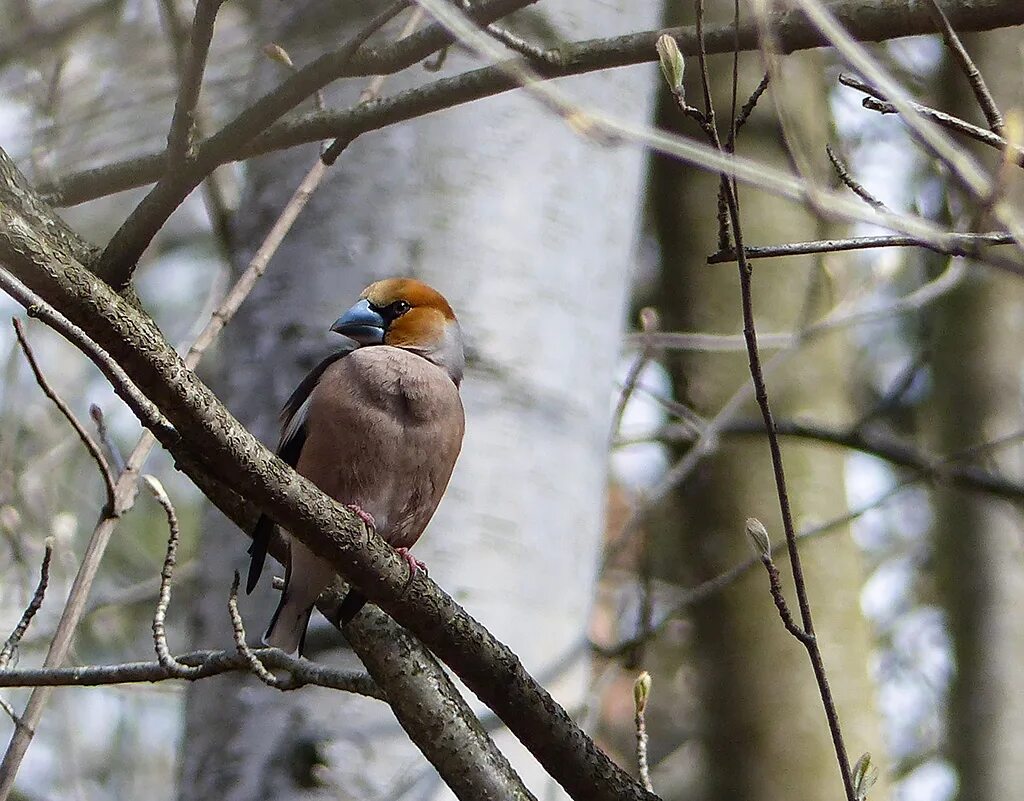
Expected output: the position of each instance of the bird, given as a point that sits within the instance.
(378, 427)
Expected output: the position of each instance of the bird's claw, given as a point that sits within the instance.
(362, 514)
(415, 566)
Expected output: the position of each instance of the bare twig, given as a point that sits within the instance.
(209, 663)
(141, 406)
(214, 194)
(806, 629)
(10, 647)
(5, 705)
(648, 325)
(973, 74)
(755, 531)
(163, 654)
(180, 136)
(968, 245)
(113, 452)
(747, 110)
(253, 661)
(372, 90)
(968, 172)
(707, 589)
(855, 186)
(51, 393)
(877, 101)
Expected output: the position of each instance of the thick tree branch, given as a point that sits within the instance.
(231, 456)
(867, 21)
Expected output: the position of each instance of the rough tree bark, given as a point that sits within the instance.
(528, 230)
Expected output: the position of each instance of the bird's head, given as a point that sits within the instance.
(408, 314)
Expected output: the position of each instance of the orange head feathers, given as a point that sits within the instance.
(406, 313)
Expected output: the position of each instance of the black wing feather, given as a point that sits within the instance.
(288, 448)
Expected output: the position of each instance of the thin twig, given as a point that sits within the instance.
(113, 452)
(11, 646)
(518, 44)
(806, 629)
(163, 654)
(855, 186)
(214, 194)
(693, 596)
(372, 90)
(83, 435)
(5, 705)
(748, 108)
(209, 663)
(775, 587)
(238, 628)
(877, 101)
(973, 74)
(967, 245)
(180, 136)
(649, 325)
(36, 307)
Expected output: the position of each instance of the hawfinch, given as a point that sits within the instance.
(377, 428)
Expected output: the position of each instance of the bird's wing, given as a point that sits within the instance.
(289, 447)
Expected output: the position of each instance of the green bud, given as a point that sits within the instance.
(757, 536)
(277, 53)
(864, 776)
(641, 691)
(671, 61)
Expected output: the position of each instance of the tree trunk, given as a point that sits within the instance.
(976, 347)
(528, 230)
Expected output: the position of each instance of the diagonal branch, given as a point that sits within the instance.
(64, 409)
(970, 70)
(237, 460)
(117, 262)
(867, 21)
(183, 123)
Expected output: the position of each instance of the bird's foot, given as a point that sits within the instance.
(415, 566)
(362, 514)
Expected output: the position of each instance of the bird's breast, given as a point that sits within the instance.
(385, 429)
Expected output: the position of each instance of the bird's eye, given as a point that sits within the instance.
(398, 308)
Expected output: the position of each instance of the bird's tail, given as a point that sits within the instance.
(350, 606)
(287, 629)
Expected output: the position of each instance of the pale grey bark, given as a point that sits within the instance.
(528, 230)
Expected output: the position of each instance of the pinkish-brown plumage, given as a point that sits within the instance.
(378, 428)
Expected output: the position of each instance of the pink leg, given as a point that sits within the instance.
(365, 516)
(415, 565)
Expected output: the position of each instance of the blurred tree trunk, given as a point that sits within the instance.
(762, 729)
(977, 351)
(528, 230)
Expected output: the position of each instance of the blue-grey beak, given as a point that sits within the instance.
(362, 324)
